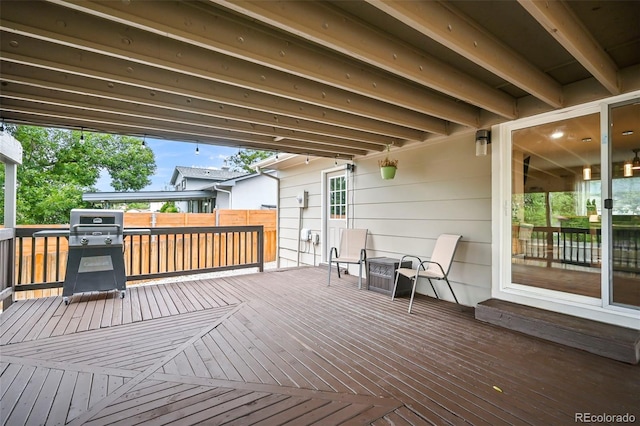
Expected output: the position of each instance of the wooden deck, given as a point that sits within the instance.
(281, 347)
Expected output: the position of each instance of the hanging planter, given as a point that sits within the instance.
(388, 172)
(388, 166)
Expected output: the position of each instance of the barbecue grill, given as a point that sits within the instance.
(96, 259)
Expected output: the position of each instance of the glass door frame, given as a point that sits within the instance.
(325, 174)
(502, 287)
(606, 129)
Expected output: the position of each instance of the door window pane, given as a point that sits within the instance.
(338, 197)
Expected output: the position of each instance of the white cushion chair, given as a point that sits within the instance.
(436, 268)
(353, 250)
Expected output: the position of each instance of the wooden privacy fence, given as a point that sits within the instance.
(179, 243)
(266, 218)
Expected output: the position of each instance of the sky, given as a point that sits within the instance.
(170, 154)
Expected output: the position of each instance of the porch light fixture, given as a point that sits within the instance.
(144, 141)
(628, 169)
(81, 135)
(586, 173)
(307, 160)
(483, 138)
(197, 149)
(635, 164)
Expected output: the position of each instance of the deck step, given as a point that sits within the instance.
(619, 343)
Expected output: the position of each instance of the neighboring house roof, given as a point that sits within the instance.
(233, 181)
(204, 173)
(221, 177)
(96, 197)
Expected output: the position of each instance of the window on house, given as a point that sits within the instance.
(338, 197)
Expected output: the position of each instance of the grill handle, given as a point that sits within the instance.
(76, 228)
(52, 233)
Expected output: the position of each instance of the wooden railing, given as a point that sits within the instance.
(6, 269)
(165, 252)
(579, 246)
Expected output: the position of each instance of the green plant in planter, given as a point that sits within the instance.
(388, 166)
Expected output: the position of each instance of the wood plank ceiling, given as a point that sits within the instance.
(335, 78)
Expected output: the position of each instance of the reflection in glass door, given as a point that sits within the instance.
(625, 212)
(556, 206)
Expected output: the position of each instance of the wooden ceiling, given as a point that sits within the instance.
(333, 78)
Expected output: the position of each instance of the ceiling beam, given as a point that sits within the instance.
(121, 97)
(258, 44)
(261, 61)
(441, 22)
(172, 119)
(561, 23)
(113, 71)
(58, 116)
(335, 30)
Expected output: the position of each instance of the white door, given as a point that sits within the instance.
(335, 208)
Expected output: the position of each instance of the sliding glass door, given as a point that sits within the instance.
(624, 134)
(575, 225)
(556, 206)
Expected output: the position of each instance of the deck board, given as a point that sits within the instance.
(68, 321)
(51, 313)
(10, 317)
(14, 391)
(281, 347)
(60, 408)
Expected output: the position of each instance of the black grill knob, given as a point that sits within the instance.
(84, 241)
(107, 240)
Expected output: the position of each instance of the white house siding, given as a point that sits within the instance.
(439, 188)
(253, 193)
(222, 201)
(306, 177)
(182, 206)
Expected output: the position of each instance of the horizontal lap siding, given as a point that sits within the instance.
(439, 188)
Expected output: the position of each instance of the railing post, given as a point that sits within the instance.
(261, 249)
(7, 266)
(549, 248)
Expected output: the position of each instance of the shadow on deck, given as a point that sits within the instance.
(281, 347)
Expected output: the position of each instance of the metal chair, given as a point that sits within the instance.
(437, 268)
(353, 250)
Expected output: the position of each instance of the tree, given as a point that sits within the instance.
(169, 207)
(244, 159)
(138, 206)
(59, 165)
